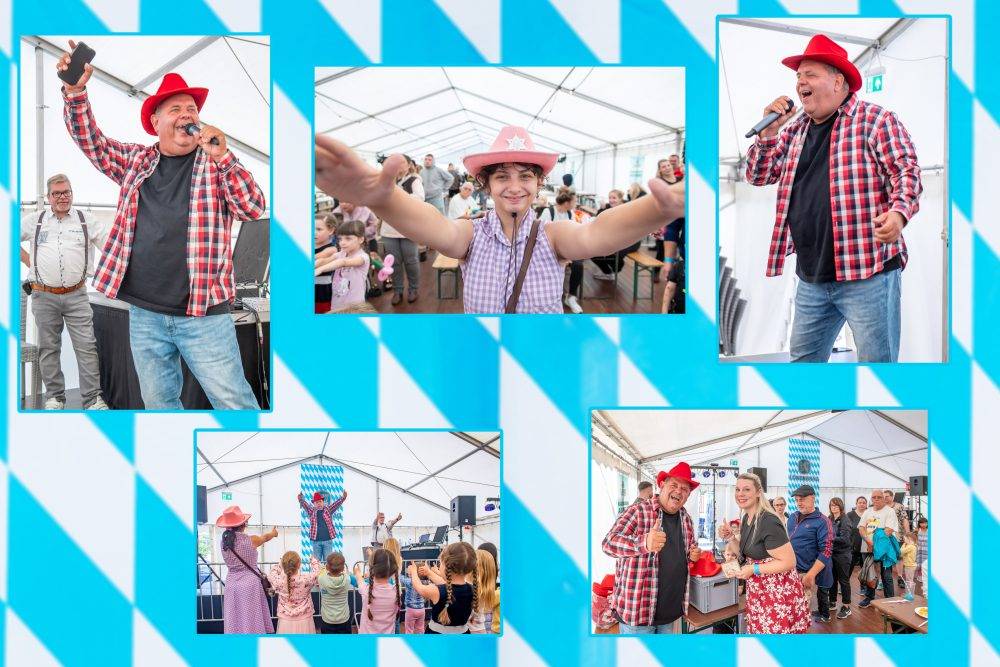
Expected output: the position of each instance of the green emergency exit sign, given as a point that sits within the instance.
(874, 84)
(227, 495)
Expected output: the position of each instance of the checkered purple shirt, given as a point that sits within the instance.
(489, 270)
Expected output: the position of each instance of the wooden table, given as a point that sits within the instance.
(695, 620)
(445, 264)
(902, 613)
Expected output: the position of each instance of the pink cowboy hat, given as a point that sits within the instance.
(232, 517)
(825, 50)
(513, 144)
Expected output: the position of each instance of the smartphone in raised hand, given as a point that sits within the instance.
(81, 55)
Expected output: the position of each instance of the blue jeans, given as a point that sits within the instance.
(322, 549)
(668, 629)
(437, 202)
(870, 307)
(208, 347)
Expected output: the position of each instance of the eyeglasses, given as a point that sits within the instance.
(62, 194)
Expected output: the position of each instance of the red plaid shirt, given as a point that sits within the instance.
(326, 512)
(873, 169)
(221, 192)
(636, 569)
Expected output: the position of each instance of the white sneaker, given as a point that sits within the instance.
(604, 276)
(98, 404)
(573, 304)
(54, 404)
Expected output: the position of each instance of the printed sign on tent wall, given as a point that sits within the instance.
(329, 480)
(803, 467)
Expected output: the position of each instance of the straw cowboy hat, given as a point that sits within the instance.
(705, 566)
(172, 84)
(513, 144)
(825, 50)
(232, 517)
(680, 471)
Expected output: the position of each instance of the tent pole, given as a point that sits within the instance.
(260, 501)
(945, 240)
(39, 128)
(843, 476)
(614, 164)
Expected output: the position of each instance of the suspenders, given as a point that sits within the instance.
(86, 245)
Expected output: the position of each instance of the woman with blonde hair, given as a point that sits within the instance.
(775, 599)
(294, 589)
(487, 594)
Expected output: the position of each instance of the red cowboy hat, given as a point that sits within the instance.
(172, 84)
(680, 471)
(232, 517)
(825, 50)
(705, 566)
(318, 496)
(605, 587)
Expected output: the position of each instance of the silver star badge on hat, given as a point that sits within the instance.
(516, 143)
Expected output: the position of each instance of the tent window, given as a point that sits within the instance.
(622, 492)
(635, 171)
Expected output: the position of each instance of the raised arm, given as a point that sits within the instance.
(335, 505)
(257, 540)
(394, 521)
(619, 226)
(306, 505)
(340, 172)
(334, 264)
(243, 195)
(766, 156)
(428, 592)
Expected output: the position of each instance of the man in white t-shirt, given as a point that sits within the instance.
(59, 255)
(878, 515)
(463, 206)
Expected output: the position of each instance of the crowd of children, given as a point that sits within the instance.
(458, 595)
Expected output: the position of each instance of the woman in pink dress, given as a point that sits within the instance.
(244, 605)
(294, 589)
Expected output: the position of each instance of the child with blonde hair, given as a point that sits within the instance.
(452, 592)
(380, 599)
(295, 607)
(908, 557)
(487, 594)
(392, 546)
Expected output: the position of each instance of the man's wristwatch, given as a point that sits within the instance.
(756, 569)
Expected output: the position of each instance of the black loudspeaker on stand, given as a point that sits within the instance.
(762, 473)
(463, 511)
(918, 485)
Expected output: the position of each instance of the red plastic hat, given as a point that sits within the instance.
(605, 587)
(825, 50)
(232, 517)
(317, 496)
(704, 566)
(172, 84)
(680, 471)
(513, 144)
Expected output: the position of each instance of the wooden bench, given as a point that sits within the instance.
(444, 265)
(646, 264)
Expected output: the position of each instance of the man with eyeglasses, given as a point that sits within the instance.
(883, 516)
(59, 256)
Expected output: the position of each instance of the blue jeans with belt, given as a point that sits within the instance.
(870, 307)
(206, 344)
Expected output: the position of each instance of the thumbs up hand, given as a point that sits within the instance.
(655, 539)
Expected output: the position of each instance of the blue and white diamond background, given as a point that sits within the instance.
(96, 546)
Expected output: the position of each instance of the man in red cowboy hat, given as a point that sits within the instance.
(848, 182)
(168, 251)
(653, 541)
(321, 530)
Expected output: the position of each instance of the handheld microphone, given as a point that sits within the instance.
(767, 120)
(193, 129)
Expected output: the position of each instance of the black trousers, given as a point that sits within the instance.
(888, 585)
(613, 263)
(575, 276)
(823, 601)
(335, 628)
(842, 563)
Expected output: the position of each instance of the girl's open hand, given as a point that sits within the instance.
(341, 173)
(669, 198)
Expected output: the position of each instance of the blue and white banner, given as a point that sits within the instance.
(803, 467)
(329, 480)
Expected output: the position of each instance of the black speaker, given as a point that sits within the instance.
(762, 473)
(202, 504)
(463, 511)
(918, 485)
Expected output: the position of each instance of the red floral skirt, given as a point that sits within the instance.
(776, 604)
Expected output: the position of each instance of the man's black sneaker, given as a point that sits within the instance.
(844, 612)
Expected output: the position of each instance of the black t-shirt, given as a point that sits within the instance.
(322, 532)
(766, 534)
(324, 290)
(672, 572)
(809, 216)
(461, 604)
(676, 276)
(157, 274)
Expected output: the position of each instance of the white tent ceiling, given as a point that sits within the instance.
(893, 440)
(235, 69)
(433, 465)
(452, 111)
